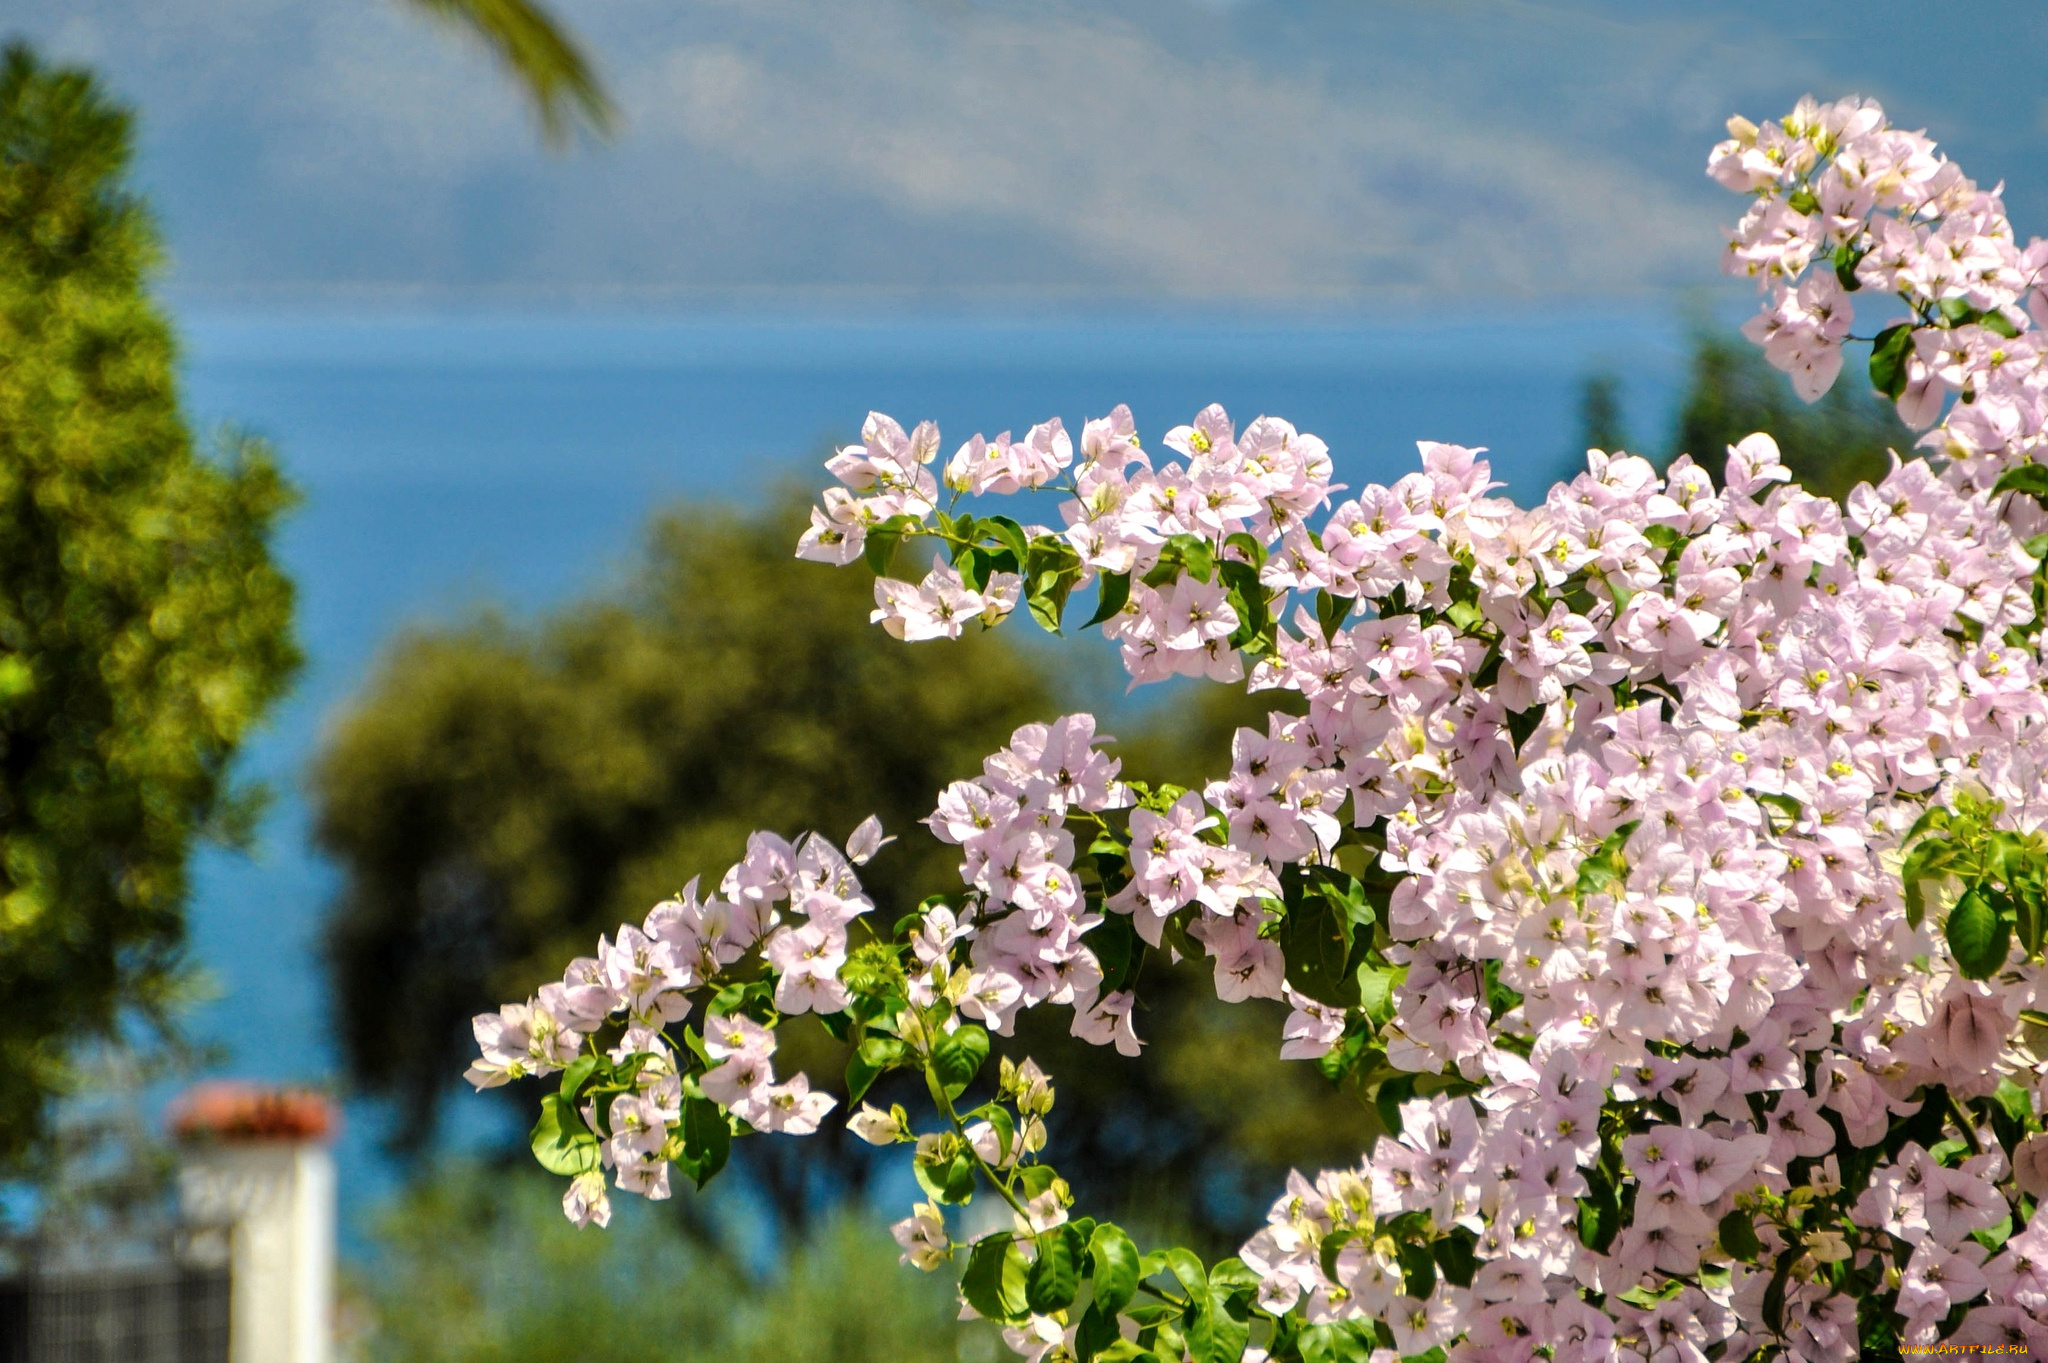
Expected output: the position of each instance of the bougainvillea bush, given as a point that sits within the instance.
(1663, 863)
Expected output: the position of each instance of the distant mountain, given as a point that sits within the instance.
(1269, 151)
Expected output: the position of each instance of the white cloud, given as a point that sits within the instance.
(1278, 150)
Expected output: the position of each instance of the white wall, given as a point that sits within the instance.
(278, 1199)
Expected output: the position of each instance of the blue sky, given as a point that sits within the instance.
(1275, 152)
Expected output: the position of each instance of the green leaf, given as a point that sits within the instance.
(1124, 1351)
(1387, 1101)
(1047, 594)
(1353, 1054)
(1113, 594)
(1248, 599)
(1331, 610)
(1774, 1294)
(1802, 201)
(1315, 938)
(1418, 1270)
(874, 1057)
(1979, 937)
(1606, 870)
(1522, 723)
(958, 1187)
(707, 1138)
(1923, 863)
(541, 56)
(1455, 1257)
(1846, 259)
(1218, 1334)
(1957, 311)
(1376, 986)
(1035, 1179)
(2029, 919)
(1247, 544)
(1888, 352)
(1055, 1275)
(1010, 535)
(880, 549)
(1233, 1277)
(1599, 1212)
(578, 1074)
(1738, 1236)
(1332, 1344)
(1196, 553)
(1097, 1332)
(561, 1142)
(956, 1059)
(994, 1283)
(2017, 1102)
(1118, 950)
(1183, 1264)
(1332, 1246)
(2031, 479)
(1114, 1258)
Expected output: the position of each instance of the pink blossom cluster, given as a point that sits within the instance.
(1741, 698)
(1024, 929)
(1644, 764)
(792, 905)
(1119, 514)
(881, 478)
(1260, 484)
(1846, 202)
(1752, 713)
(1747, 695)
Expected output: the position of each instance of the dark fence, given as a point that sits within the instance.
(156, 1313)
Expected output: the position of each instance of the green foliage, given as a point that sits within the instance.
(1600, 419)
(2002, 880)
(501, 794)
(1830, 446)
(474, 1267)
(143, 626)
(537, 52)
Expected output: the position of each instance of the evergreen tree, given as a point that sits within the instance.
(1830, 446)
(143, 624)
(1600, 419)
(498, 795)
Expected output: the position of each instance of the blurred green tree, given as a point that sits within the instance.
(143, 625)
(501, 795)
(477, 1267)
(1732, 391)
(1600, 418)
(498, 796)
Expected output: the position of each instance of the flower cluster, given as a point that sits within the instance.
(1845, 202)
(1023, 930)
(791, 906)
(1666, 864)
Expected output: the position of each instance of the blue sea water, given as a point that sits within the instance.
(450, 462)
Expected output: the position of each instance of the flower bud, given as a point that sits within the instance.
(877, 1127)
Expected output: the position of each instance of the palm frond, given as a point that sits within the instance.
(541, 55)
